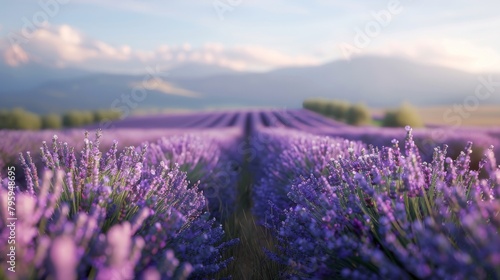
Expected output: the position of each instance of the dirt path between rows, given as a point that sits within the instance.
(250, 259)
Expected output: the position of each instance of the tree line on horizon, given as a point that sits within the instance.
(360, 114)
(19, 118)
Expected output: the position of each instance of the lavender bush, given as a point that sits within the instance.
(425, 138)
(384, 214)
(287, 156)
(111, 216)
(15, 141)
(210, 161)
(334, 208)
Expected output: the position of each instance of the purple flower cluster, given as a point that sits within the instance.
(16, 141)
(111, 216)
(210, 161)
(425, 138)
(286, 157)
(387, 214)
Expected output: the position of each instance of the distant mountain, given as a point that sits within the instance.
(376, 81)
(28, 76)
(198, 70)
(102, 91)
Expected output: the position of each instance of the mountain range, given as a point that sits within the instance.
(373, 80)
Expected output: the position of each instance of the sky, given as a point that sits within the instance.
(247, 35)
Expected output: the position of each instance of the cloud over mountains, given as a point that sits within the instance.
(65, 46)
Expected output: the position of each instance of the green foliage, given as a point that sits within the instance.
(51, 121)
(72, 119)
(3, 118)
(77, 118)
(335, 109)
(106, 115)
(340, 110)
(403, 116)
(19, 119)
(315, 105)
(358, 114)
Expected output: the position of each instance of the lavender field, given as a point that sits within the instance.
(249, 194)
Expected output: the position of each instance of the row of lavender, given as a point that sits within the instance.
(145, 212)
(139, 129)
(339, 209)
(425, 138)
(130, 131)
(15, 142)
(291, 118)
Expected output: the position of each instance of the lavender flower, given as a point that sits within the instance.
(385, 214)
(125, 217)
(204, 157)
(287, 157)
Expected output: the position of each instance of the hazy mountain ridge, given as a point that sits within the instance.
(376, 81)
(31, 75)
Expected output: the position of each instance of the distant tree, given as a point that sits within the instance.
(78, 118)
(315, 105)
(390, 119)
(51, 121)
(337, 109)
(106, 115)
(340, 110)
(19, 119)
(73, 119)
(308, 104)
(403, 116)
(4, 119)
(87, 117)
(358, 114)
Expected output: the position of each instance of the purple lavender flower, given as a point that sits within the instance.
(287, 157)
(122, 215)
(384, 214)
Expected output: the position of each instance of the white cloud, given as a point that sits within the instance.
(263, 57)
(65, 46)
(15, 56)
(62, 46)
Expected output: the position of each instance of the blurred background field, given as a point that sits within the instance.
(486, 115)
